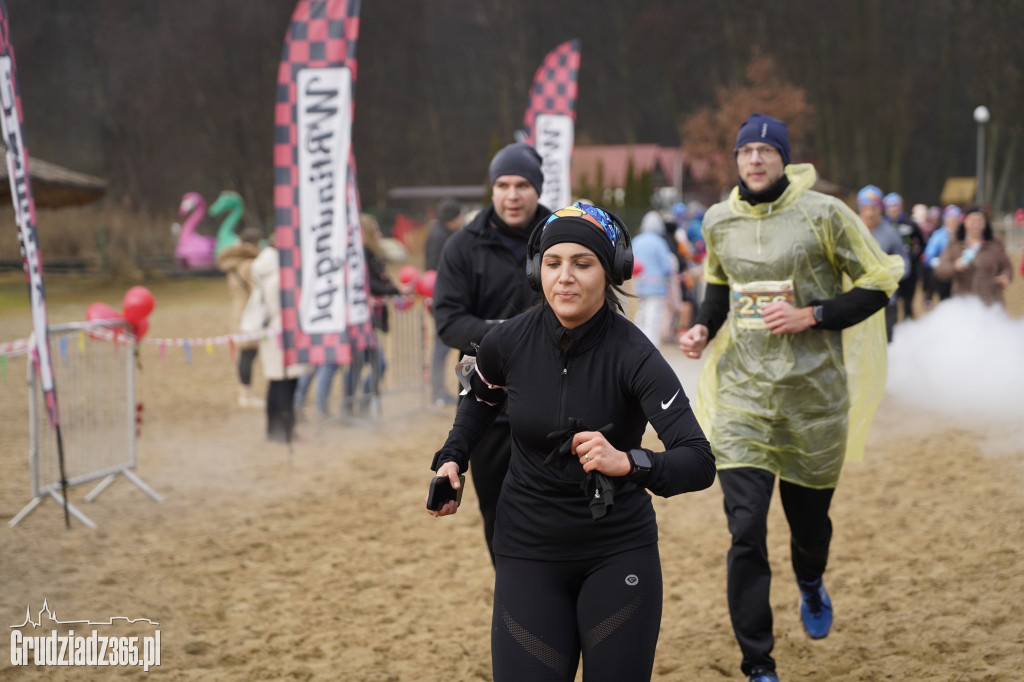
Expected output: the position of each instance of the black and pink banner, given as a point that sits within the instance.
(325, 302)
(25, 212)
(550, 121)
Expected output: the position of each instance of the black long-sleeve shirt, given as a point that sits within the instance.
(608, 373)
(845, 310)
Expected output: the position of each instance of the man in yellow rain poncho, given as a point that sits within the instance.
(785, 391)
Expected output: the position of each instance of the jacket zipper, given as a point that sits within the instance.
(563, 387)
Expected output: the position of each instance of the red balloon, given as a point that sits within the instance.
(425, 284)
(138, 304)
(101, 311)
(638, 268)
(140, 328)
(407, 273)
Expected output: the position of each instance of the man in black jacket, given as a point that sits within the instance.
(481, 281)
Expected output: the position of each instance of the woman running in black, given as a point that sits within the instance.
(575, 543)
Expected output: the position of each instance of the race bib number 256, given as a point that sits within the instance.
(749, 300)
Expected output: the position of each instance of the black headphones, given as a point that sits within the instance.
(622, 260)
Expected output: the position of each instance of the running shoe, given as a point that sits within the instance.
(815, 608)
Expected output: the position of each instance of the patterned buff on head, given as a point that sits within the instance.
(952, 211)
(582, 224)
(761, 128)
(869, 196)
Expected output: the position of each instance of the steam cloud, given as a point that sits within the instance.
(963, 358)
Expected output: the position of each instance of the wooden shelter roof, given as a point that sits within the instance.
(54, 186)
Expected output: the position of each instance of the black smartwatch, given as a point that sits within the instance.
(819, 314)
(639, 464)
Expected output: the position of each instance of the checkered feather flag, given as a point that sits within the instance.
(549, 124)
(325, 301)
(25, 216)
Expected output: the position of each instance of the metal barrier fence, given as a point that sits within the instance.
(404, 349)
(94, 372)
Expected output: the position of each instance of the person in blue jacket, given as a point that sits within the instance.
(934, 287)
(656, 274)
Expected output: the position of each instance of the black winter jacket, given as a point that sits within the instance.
(609, 373)
(479, 283)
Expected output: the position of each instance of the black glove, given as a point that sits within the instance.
(597, 487)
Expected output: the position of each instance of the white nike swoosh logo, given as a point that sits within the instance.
(665, 405)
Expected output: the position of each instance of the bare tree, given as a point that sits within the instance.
(711, 132)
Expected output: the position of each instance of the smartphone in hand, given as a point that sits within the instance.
(441, 491)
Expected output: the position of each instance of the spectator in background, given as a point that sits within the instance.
(680, 215)
(683, 310)
(934, 219)
(694, 233)
(656, 274)
(372, 359)
(869, 206)
(975, 261)
(913, 244)
(449, 221)
(919, 214)
(236, 261)
(695, 210)
(281, 379)
(933, 286)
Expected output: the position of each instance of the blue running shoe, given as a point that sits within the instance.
(764, 676)
(815, 608)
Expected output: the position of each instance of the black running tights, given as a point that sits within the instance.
(546, 613)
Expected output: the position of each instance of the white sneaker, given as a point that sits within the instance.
(246, 398)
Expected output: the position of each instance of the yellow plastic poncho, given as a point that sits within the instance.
(794, 404)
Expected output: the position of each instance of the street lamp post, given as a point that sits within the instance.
(981, 117)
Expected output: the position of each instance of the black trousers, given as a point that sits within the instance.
(933, 286)
(281, 409)
(891, 315)
(488, 465)
(907, 289)
(246, 356)
(548, 613)
(748, 494)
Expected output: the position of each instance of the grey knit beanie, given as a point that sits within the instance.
(520, 159)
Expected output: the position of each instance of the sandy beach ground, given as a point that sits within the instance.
(320, 563)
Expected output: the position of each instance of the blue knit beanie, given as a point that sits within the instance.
(519, 159)
(761, 128)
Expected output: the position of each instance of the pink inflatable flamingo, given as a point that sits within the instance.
(194, 251)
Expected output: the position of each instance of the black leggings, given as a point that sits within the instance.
(245, 359)
(547, 612)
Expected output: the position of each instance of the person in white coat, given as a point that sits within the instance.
(281, 379)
